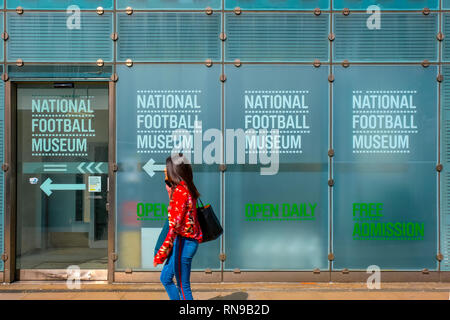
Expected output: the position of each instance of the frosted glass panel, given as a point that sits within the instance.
(146, 119)
(385, 121)
(279, 221)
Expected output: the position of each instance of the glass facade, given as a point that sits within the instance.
(318, 130)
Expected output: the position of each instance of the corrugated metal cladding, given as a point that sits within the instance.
(403, 37)
(50, 37)
(446, 44)
(277, 43)
(445, 183)
(277, 37)
(185, 36)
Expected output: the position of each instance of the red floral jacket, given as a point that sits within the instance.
(183, 221)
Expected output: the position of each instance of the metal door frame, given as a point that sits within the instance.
(10, 274)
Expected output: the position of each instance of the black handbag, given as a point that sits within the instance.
(209, 224)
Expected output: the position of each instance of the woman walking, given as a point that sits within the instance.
(184, 235)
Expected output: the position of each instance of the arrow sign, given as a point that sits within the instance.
(80, 167)
(65, 167)
(55, 167)
(97, 167)
(47, 186)
(88, 168)
(150, 167)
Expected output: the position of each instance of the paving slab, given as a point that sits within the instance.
(348, 296)
(99, 290)
(12, 296)
(97, 296)
(144, 296)
(48, 296)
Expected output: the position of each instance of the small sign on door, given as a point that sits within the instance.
(95, 184)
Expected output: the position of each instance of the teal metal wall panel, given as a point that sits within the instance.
(403, 37)
(446, 41)
(59, 4)
(174, 4)
(386, 4)
(445, 174)
(276, 37)
(277, 5)
(169, 36)
(46, 37)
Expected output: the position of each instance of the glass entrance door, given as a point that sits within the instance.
(62, 177)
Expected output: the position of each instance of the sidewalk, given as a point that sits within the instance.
(231, 291)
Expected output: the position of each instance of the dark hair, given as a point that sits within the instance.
(178, 169)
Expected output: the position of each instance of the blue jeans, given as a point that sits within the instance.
(178, 263)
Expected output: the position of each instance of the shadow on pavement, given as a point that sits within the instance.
(233, 296)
